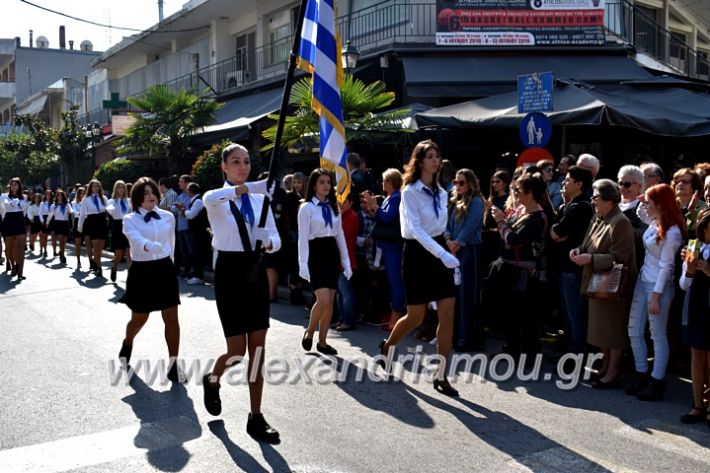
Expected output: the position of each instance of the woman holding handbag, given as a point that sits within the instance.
(609, 241)
(388, 235)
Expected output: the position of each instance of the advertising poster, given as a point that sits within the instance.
(520, 22)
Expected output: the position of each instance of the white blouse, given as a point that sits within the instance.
(113, 207)
(418, 219)
(311, 225)
(139, 233)
(12, 204)
(55, 212)
(44, 209)
(225, 233)
(659, 261)
(33, 211)
(89, 207)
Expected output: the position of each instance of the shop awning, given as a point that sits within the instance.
(234, 118)
(670, 112)
(35, 106)
(484, 76)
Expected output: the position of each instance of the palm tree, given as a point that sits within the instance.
(165, 123)
(360, 101)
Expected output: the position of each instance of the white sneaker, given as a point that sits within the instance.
(194, 281)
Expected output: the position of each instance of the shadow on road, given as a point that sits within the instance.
(243, 460)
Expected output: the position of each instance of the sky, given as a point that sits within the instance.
(23, 17)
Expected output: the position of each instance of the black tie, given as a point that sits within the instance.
(151, 214)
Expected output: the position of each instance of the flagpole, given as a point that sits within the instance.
(282, 114)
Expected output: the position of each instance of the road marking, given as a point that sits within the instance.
(102, 447)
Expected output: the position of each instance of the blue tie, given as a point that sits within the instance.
(63, 208)
(151, 214)
(123, 206)
(435, 198)
(327, 213)
(247, 210)
(96, 201)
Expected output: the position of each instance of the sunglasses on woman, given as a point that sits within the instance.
(460, 183)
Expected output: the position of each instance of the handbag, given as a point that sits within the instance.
(384, 231)
(607, 284)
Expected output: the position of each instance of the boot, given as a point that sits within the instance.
(653, 391)
(639, 383)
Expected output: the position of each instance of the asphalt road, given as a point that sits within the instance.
(63, 410)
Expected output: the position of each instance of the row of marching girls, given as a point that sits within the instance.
(240, 281)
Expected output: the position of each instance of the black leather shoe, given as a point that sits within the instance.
(382, 363)
(113, 274)
(260, 430)
(326, 350)
(445, 388)
(62, 259)
(211, 396)
(689, 418)
(125, 354)
(175, 374)
(99, 273)
(653, 391)
(92, 265)
(599, 384)
(640, 382)
(306, 343)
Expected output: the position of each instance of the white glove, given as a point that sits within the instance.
(259, 187)
(348, 273)
(153, 247)
(262, 234)
(449, 260)
(304, 274)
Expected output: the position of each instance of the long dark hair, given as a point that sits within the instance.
(311, 187)
(412, 170)
(504, 176)
(19, 194)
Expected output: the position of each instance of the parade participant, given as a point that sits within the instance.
(44, 230)
(13, 207)
(427, 266)
(92, 222)
(152, 282)
(240, 281)
(59, 219)
(118, 206)
(35, 222)
(79, 237)
(322, 251)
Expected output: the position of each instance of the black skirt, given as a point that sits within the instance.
(44, 228)
(151, 286)
(35, 226)
(426, 278)
(242, 304)
(96, 227)
(118, 239)
(75, 229)
(14, 224)
(60, 227)
(324, 263)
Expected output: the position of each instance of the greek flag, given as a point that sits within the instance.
(319, 53)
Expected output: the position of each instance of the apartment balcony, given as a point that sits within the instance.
(7, 91)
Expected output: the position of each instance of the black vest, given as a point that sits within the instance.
(699, 294)
(199, 224)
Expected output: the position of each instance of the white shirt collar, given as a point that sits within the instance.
(143, 211)
(419, 185)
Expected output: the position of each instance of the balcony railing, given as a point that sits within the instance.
(390, 24)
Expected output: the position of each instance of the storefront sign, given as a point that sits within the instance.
(121, 123)
(535, 92)
(520, 22)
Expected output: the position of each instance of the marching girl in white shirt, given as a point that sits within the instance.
(35, 222)
(59, 219)
(118, 206)
(152, 282)
(427, 266)
(92, 222)
(79, 237)
(44, 230)
(322, 252)
(13, 206)
(240, 283)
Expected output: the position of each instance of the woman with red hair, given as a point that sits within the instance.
(654, 289)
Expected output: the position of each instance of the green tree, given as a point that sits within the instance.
(31, 156)
(118, 169)
(166, 122)
(207, 171)
(73, 145)
(360, 102)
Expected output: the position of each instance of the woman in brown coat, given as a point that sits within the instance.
(609, 240)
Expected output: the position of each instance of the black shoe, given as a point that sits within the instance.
(8, 266)
(326, 350)
(445, 388)
(13, 272)
(113, 274)
(125, 354)
(99, 273)
(689, 418)
(92, 265)
(653, 391)
(260, 430)
(175, 374)
(382, 363)
(599, 384)
(211, 396)
(306, 343)
(62, 259)
(639, 383)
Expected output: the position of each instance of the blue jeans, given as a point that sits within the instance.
(637, 325)
(345, 300)
(184, 246)
(468, 321)
(392, 259)
(575, 310)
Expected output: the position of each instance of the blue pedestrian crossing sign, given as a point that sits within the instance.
(535, 130)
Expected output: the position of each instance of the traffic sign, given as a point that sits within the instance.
(532, 156)
(535, 92)
(535, 130)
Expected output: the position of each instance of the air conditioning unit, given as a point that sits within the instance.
(234, 79)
